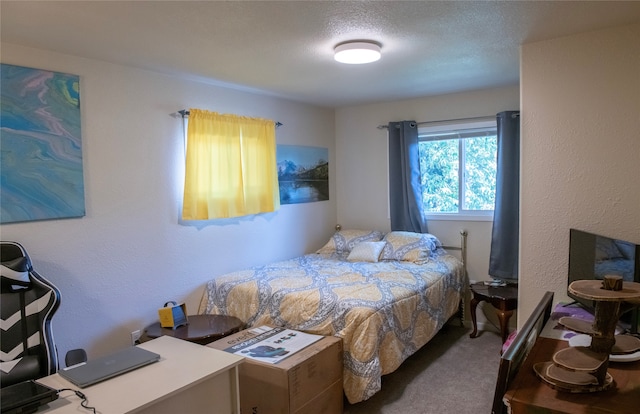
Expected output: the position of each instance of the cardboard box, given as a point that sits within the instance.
(309, 381)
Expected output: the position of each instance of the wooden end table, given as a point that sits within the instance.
(503, 298)
(201, 329)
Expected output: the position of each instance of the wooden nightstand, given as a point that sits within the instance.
(202, 329)
(503, 298)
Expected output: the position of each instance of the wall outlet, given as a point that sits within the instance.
(135, 337)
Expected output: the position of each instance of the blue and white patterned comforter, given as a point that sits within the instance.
(384, 311)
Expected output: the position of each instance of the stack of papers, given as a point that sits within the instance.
(272, 345)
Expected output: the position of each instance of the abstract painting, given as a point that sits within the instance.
(303, 174)
(41, 162)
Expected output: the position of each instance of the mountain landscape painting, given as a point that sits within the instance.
(303, 174)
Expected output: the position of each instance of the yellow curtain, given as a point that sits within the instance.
(231, 166)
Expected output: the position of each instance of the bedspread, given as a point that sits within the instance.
(383, 311)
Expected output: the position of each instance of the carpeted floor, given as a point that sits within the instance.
(451, 374)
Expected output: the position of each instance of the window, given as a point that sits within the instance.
(458, 168)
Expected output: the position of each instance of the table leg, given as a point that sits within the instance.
(504, 317)
(474, 304)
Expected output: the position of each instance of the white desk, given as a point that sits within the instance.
(189, 378)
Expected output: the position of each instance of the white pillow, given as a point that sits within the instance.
(366, 252)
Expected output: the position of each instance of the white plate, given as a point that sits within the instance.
(625, 357)
(585, 340)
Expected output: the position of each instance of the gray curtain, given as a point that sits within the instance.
(405, 189)
(503, 260)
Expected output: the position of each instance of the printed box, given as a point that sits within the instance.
(308, 381)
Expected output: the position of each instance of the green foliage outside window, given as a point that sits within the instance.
(440, 162)
(439, 171)
(480, 170)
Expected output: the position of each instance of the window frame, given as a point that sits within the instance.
(452, 127)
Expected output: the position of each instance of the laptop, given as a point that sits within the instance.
(100, 369)
(25, 397)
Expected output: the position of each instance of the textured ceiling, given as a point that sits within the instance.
(285, 48)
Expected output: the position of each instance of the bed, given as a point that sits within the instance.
(385, 295)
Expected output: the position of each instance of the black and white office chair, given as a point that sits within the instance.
(28, 303)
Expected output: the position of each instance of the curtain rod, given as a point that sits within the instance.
(477, 118)
(184, 113)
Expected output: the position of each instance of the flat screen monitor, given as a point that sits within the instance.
(592, 256)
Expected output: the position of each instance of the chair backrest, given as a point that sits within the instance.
(517, 352)
(27, 304)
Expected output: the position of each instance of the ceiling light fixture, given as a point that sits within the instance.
(357, 52)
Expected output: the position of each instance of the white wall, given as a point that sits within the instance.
(361, 163)
(128, 256)
(580, 151)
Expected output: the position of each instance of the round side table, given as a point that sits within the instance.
(503, 298)
(201, 329)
